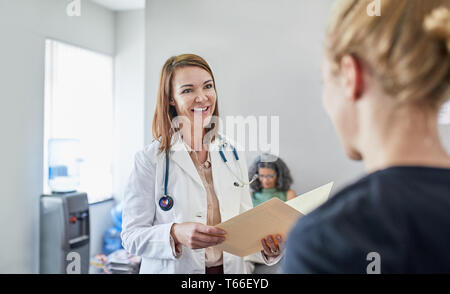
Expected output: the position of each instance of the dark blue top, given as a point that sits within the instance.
(401, 213)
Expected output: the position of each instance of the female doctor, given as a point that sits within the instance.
(188, 180)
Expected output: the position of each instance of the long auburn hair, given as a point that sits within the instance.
(162, 128)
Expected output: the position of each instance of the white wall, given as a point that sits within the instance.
(266, 57)
(129, 94)
(24, 25)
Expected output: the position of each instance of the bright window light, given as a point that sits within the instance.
(79, 108)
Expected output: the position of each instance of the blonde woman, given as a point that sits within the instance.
(181, 186)
(385, 79)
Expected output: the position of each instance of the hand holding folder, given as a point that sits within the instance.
(245, 231)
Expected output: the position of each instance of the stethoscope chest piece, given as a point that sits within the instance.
(166, 203)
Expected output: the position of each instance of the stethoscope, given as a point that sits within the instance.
(240, 183)
(166, 201)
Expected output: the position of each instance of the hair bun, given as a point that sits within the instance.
(437, 24)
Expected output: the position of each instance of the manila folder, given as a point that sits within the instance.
(245, 231)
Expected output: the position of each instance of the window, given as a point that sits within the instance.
(79, 108)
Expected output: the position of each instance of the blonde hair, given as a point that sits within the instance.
(162, 127)
(407, 47)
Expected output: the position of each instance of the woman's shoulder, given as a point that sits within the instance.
(152, 148)
(149, 153)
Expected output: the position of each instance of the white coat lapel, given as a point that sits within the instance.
(227, 194)
(222, 177)
(180, 155)
(217, 173)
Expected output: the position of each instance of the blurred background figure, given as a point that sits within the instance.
(114, 259)
(274, 179)
(111, 238)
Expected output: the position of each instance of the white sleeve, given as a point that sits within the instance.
(139, 235)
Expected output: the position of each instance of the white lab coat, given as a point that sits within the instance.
(146, 227)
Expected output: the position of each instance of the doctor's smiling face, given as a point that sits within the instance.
(186, 102)
(193, 95)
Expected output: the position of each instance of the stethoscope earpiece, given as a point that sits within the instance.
(236, 184)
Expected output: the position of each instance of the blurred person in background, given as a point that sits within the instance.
(273, 179)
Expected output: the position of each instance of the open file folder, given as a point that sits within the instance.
(245, 231)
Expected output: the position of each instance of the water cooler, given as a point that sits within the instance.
(64, 233)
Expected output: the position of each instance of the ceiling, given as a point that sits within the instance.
(121, 5)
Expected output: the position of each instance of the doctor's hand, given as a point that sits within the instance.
(272, 245)
(197, 235)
